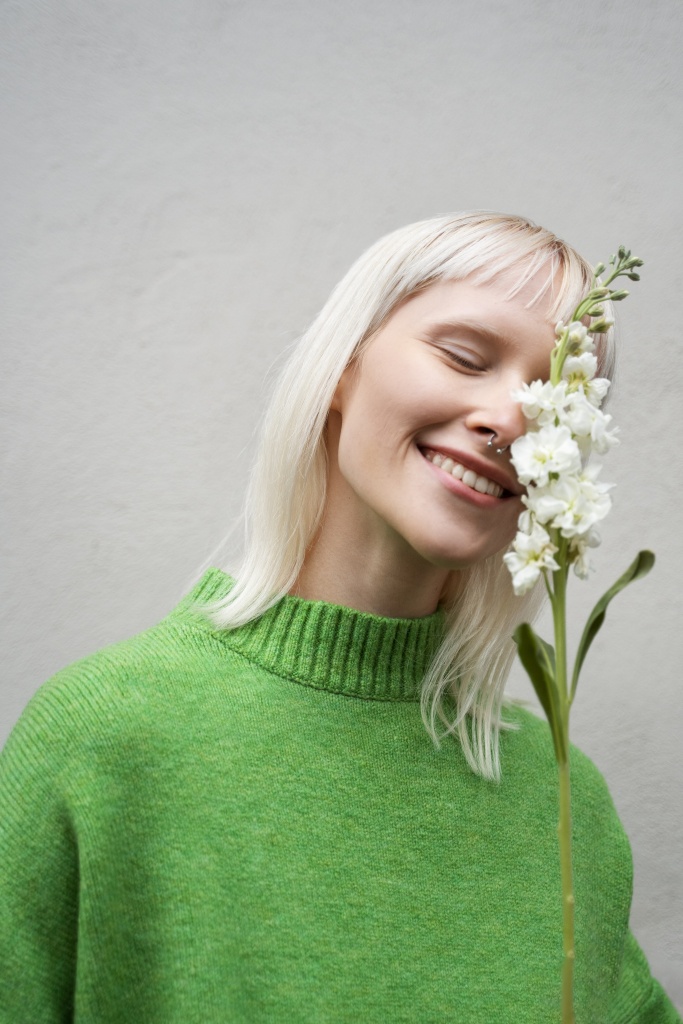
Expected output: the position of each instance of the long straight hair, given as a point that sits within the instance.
(286, 493)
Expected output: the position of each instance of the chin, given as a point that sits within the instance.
(455, 559)
(444, 559)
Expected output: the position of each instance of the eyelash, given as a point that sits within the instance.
(461, 361)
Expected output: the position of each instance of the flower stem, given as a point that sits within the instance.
(566, 406)
(565, 835)
(564, 829)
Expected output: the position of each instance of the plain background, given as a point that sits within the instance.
(183, 183)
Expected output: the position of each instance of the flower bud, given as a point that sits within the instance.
(601, 326)
(618, 296)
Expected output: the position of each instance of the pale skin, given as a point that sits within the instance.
(436, 378)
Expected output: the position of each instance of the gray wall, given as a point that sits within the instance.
(187, 179)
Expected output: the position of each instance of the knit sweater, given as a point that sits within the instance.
(207, 827)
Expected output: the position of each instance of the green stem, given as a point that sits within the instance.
(596, 294)
(565, 834)
(559, 604)
(565, 823)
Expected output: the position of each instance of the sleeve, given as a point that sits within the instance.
(640, 999)
(38, 874)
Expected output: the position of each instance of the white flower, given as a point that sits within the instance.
(578, 415)
(587, 423)
(544, 504)
(596, 389)
(579, 338)
(541, 401)
(572, 504)
(531, 555)
(602, 438)
(578, 553)
(579, 373)
(525, 522)
(579, 369)
(550, 450)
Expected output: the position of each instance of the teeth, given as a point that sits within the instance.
(468, 476)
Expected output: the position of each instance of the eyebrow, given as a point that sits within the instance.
(474, 328)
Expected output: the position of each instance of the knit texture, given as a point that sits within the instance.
(206, 827)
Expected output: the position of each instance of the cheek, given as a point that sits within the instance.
(373, 418)
(513, 510)
(368, 445)
(362, 458)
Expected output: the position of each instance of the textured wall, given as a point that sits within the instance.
(184, 182)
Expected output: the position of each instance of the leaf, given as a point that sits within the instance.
(538, 658)
(640, 567)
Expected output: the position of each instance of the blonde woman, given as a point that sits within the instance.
(300, 798)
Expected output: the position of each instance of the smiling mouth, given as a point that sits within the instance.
(468, 477)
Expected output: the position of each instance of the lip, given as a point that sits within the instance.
(508, 481)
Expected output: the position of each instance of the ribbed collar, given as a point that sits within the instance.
(331, 647)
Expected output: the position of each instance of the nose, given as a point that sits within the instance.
(500, 419)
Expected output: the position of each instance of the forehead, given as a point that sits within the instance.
(501, 300)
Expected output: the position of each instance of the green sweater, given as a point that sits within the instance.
(203, 827)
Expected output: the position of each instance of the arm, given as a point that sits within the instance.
(38, 874)
(639, 998)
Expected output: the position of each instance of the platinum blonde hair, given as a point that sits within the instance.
(286, 493)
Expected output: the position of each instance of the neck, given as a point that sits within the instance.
(359, 562)
(368, 587)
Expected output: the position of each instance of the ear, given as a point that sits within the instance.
(342, 388)
(336, 403)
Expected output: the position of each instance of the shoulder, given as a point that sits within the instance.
(527, 754)
(99, 698)
(529, 748)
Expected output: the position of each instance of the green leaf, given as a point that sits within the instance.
(640, 567)
(538, 658)
(548, 652)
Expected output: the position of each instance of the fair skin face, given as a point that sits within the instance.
(435, 380)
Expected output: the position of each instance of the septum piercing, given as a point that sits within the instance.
(499, 451)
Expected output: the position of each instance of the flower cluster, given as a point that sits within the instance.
(564, 499)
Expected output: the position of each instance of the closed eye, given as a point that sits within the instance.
(463, 361)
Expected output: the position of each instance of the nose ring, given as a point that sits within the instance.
(499, 451)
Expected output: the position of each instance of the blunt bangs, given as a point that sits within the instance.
(480, 246)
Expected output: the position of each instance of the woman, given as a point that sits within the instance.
(240, 815)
